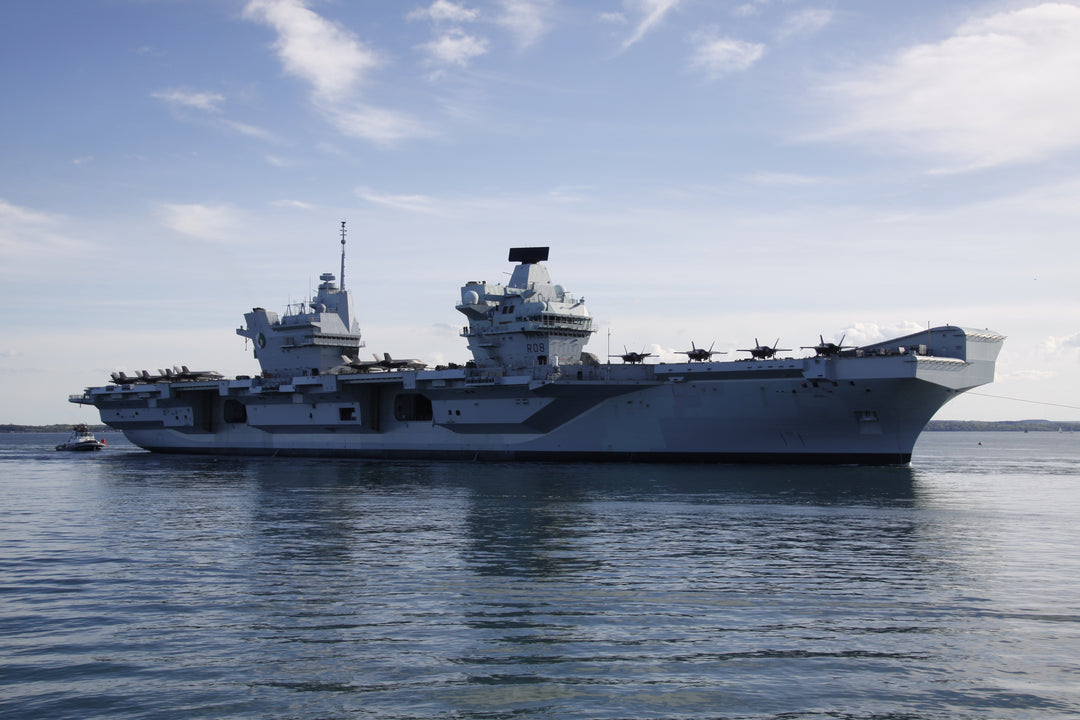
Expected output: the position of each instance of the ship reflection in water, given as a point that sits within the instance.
(232, 587)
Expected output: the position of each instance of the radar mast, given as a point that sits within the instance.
(342, 254)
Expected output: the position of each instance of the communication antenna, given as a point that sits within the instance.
(342, 254)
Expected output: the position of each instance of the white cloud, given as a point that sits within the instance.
(294, 204)
(718, 56)
(527, 20)
(334, 62)
(1003, 89)
(1061, 345)
(455, 48)
(866, 333)
(805, 22)
(251, 131)
(778, 179)
(27, 234)
(372, 123)
(211, 103)
(280, 162)
(205, 101)
(312, 48)
(422, 204)
(612, 18)
(652, 12)
(444, 11)
(13, 214)
(571, 193)
(1042, 200)
(206, 222)
(750, 8)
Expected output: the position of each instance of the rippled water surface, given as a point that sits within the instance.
(135, 585)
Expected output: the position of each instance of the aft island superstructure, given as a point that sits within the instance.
(532, 391)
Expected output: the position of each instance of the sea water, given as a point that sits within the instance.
(136, 585)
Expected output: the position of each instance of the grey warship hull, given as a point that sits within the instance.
(532, 392)
(866, 408)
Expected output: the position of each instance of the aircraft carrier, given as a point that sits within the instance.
(532, 392)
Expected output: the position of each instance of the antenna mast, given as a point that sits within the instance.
(342, 254)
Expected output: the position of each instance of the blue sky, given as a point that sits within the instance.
(703, 171)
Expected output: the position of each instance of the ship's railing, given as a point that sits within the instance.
(486, 376)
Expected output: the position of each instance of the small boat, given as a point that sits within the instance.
(81, 439)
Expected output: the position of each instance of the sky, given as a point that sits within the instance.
(704, 172)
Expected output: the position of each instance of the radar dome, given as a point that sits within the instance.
(471, 298)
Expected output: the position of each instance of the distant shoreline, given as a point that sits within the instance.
(933, 426)
(1004, 425)
(61, 427)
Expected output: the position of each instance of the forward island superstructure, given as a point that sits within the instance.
(532, 391)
